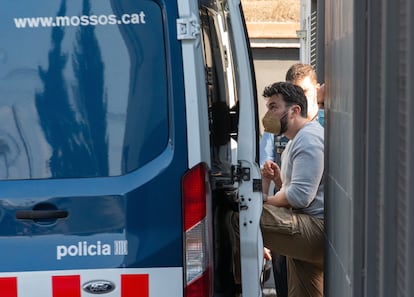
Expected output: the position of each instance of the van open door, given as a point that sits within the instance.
(221, 103)
(249, 177)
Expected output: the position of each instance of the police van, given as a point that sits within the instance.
(128, 136)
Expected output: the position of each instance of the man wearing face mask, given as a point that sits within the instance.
(272, 146)
(292, 219)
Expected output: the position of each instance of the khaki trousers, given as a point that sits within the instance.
(300, 238)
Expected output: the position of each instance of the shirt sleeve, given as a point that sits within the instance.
(307, 171)
(267, 149)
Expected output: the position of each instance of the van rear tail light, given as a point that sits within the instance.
(197, 232)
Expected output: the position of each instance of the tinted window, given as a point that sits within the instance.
(222, 100)
(83, 88)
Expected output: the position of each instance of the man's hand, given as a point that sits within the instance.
(268, 170)
(267, 254)
(271, 171)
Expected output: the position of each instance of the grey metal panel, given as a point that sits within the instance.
(386, 136)
(395, 135)
(337, 285)
(338, 231)
(376, 90)
(339, 136)
(410, 147)
(339, 148)
(365, 213)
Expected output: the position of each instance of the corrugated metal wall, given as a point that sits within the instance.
(369, 147)
(339, 150)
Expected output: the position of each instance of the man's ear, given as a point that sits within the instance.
(296, 109)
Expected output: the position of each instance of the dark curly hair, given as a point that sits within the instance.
(292, 95)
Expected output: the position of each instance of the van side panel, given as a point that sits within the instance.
(93, 139)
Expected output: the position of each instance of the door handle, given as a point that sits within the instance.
(41, 214)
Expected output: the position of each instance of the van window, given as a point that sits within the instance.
(83, 88)
(222, 100)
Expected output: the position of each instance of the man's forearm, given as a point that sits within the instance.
(265, 185)
(279, 200)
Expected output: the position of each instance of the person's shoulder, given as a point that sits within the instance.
(312, 133)
(311, 126)
(315, 127)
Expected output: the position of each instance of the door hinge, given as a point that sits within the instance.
(188, 28)
(240, 173)
(257, 185)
